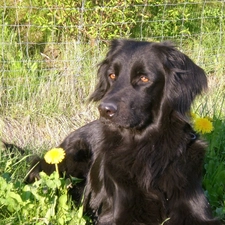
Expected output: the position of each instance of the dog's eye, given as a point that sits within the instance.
(144, 79)
(112, 76)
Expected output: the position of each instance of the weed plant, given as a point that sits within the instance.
(45, 202)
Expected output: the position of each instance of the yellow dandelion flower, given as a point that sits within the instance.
(55, 156)
(203, 125)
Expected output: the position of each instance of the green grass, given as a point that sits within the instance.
(214, 177)
(41, 102)
(214, 167)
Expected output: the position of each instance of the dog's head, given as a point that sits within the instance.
(138, 81)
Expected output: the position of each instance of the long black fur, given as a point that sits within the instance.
(141, 161)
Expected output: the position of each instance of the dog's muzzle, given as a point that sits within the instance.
(107, 110)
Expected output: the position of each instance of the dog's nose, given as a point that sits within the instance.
(107, 110)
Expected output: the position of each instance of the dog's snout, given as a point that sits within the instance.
(107, 110)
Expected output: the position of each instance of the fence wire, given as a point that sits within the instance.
(41, 39)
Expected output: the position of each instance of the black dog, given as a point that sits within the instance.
(142, 161)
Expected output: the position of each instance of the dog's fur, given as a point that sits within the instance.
(141, 161)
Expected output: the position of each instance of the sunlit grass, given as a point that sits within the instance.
(41, 102)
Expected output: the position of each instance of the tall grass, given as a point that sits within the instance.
(43, 99)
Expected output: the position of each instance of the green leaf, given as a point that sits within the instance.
(15, 196)
(63, 201)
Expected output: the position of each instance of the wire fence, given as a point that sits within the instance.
(45, 27)
(47, 38)
(49, 51)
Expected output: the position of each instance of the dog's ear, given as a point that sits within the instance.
(103, 84)
(184, 79)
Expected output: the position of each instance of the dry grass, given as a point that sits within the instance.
(58, 104)
(44, 132)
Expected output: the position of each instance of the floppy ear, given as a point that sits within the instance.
(184, 79)
(103, 84)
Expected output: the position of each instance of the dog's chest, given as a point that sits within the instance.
(119, 160)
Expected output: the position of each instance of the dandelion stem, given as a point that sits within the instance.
(57, 170)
